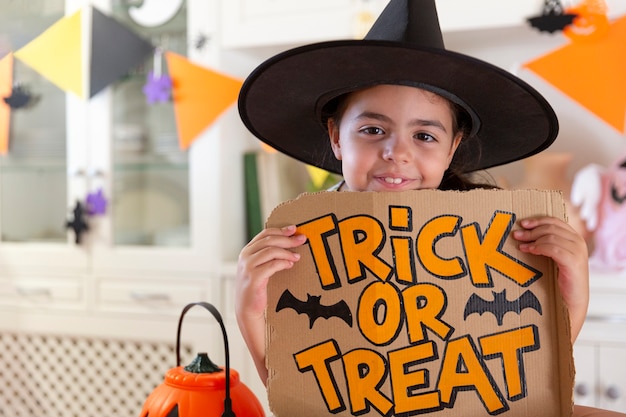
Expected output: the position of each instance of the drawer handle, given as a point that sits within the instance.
(613, 392)
(34, 291)
(582, 389)
(149, 296)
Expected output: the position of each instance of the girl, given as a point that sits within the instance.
(396, 138)
(393, 112)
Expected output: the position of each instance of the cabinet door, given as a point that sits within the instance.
(612, 378)
(162, 215)
(585, 387)
(36, 193)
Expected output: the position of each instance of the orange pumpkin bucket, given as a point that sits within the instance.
(202, 389)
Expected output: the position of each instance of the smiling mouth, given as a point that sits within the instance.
(391, 180)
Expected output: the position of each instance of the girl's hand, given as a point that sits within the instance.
(267, 253)
(554, 238)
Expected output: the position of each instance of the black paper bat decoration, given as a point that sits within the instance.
(20, 98)
(78, 223)
(552, 18)
(552, 22)
(201, 41)
(313, 308)
(499, 306)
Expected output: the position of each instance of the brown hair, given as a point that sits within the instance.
(456, 176)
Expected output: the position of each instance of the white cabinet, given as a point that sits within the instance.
(163, 215)
(160, 215)
(600, 350)
(585, 356)
(612, 380)
(600, 375)
(99, 319)
(42, 289)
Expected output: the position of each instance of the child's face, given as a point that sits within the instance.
(394, 138)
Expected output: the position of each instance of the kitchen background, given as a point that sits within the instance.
(89, 328)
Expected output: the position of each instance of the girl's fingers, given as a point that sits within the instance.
(555, 239)
(274, 231)
(271, 246)
(281, 238)
(267, 253)
(550, 234)
(534, 228)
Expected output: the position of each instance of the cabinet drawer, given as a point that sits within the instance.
(41, 291)
(607, 294)
(147, 296)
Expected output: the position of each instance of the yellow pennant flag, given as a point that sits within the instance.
(318, 176)
(56, 54)
(6, 88)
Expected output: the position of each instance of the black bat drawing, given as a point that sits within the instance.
(314, 309)
(499, 306)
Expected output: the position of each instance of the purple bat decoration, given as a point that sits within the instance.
(96, 203)
(157, 88)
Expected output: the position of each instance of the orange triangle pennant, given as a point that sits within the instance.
(200, 96)
(6, 88)
(591, 72)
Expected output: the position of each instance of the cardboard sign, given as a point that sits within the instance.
(417, 302)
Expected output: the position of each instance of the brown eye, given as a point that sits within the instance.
(425, 137)
(372, 130)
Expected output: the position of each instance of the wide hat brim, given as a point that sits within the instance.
(281, 101)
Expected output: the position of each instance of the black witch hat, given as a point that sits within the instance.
(281, 101)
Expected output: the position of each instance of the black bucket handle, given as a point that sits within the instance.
(228, 411)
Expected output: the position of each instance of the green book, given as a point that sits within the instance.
(254, 218)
